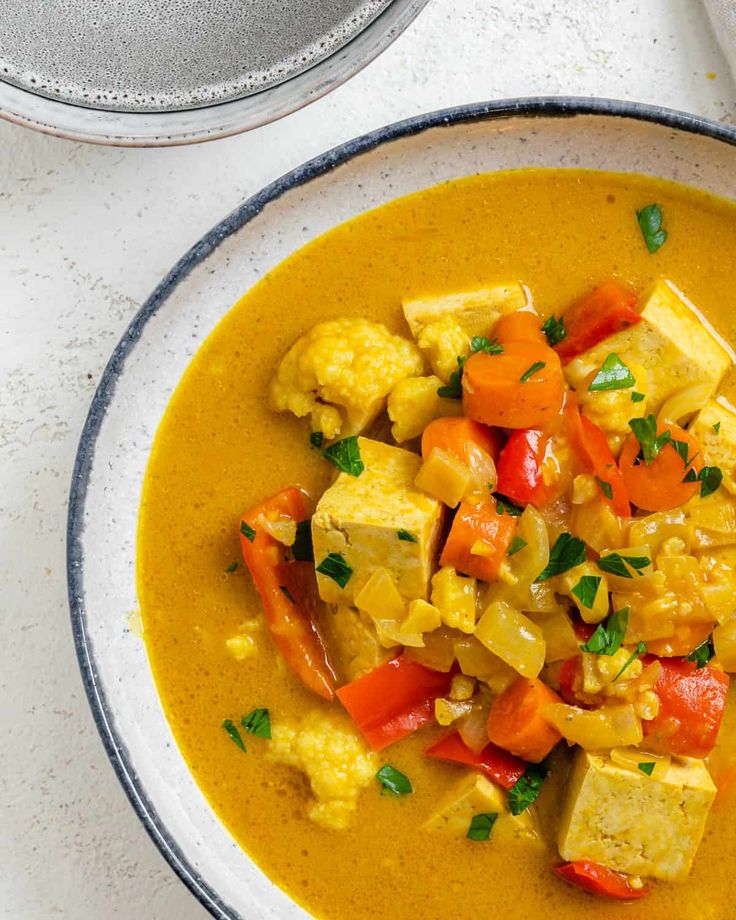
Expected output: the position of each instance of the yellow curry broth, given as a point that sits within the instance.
(220, 449)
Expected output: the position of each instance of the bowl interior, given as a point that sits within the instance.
(151, 358)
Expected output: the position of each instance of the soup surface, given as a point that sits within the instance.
(220, 449)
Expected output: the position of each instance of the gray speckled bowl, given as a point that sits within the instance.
(147, 364)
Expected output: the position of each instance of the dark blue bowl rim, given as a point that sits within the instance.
(534, 107)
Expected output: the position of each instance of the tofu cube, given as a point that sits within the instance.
(474, 795)
(360, 517)
(476, 312)
(622, 818)
(718, 446)
(671, 342)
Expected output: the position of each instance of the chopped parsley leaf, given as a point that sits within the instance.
(608, 636)
(489, 346)
(515, 545)
(683, 449)
(586, 589)
(530, 371)
(526, 789)
(641, 649)
(613, 375)
(453, 389)
(316, 439)
(234, 734)
(345, 455)
(567, 552)
(481, 826)
(335, 566)
(645, 431)
(407, 536)
(393, 781)
(504, 506)
(710, 478)
(637, 397)
(231, 568)
(647, 767)
(702, 655)
(285, 591)
(605, 487)
(650, 224)
(258, 723)
(302, 549)
(247, 531)
(616, 564)
(717, 427)
(555, 330)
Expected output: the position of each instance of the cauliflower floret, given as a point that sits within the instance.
(414, 403)
(244, 644)
(337, 763)
(443, 342)
(341, 372)
(611, 410)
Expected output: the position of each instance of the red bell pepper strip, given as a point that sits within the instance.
(519, 467)
(691, 705)
(282, 587)
(594, 317)
(393, 700)
(493, 762)
(591, 445)
(597, 879)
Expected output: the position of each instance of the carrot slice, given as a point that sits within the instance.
(462, 437)
(515, 723)
(282, 586)
(521, 388)
(479, 539)
(600, 880)
(520, 326)
(597, 315)
(659, 485)
(591, 445)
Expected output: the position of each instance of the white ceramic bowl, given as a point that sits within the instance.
(170, 327)
(159, 129)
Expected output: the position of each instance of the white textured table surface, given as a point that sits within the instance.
(85, 234)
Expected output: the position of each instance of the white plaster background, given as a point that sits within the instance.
(85, 234)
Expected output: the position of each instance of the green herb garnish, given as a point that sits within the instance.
(345, 455)
(616, 564)
(605, 487)
(489, 346)
(526, 789)
(702, 655)
(302, 549)
(647, 767)
(287, 594)
(613, 375)
(393, 781)
(683, 450)
(710, 478)
(335, 566)
(608, 636)
(453, 389)
(247, 531)
(537, 366)
(258, 723)
(481, 826)
(650, 224)
(567, 552)
(637, 397)
(515, 545)
(504, 506)
(717, 427)
(231, 568)
(234, 734)
(316, 439)
(641, 649)
(586, 589)
(407, 535)
(555, 330)
(645, 431)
